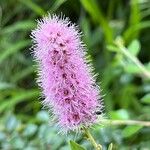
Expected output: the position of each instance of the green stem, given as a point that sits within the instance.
(132, 58)
(92, 140)
(113, 122)
(126, 122)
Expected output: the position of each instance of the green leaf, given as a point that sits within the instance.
(113, 48)
(119, 114)
(110, 146)
(134, 47)
(96, 13)
(34, 7)
(5, 85)
(2, 136)
(22, 25)
(134, 16)
(76, 146)
(136, 28)
(11, 123)
(30, 130)
(145, 13)
(85, 25)
(134, 20)
(22, 96)
(135, 12)
(17, 143)
(13, 49)
(96, 37)
(131, 130)
(57, 4)
(22, 74)
(131, 68)
(42, 116)
(146, 98)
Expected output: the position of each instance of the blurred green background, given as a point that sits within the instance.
(117, 35)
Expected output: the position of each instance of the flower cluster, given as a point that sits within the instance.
(65, 77)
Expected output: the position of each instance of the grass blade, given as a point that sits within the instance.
(13, 49)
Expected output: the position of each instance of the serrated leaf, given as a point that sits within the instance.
(146, 98)
(76, 146)
(134, 47)
(131, 130)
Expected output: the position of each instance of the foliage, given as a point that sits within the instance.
(117, 37)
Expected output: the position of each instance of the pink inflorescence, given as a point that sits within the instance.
(65, 77)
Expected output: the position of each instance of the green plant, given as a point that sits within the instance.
(110, 28)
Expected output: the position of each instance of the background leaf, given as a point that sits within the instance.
(146, 99)
(24, 122)
(134, 47)
(130, 130)
(75, 146)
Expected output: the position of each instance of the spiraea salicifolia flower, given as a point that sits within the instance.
(65, 76)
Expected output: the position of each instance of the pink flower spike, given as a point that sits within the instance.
(66, 79)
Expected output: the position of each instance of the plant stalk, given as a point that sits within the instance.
(126, 122)
(125, 51)
(91, 139)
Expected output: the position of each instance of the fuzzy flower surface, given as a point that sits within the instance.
(65, 76)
